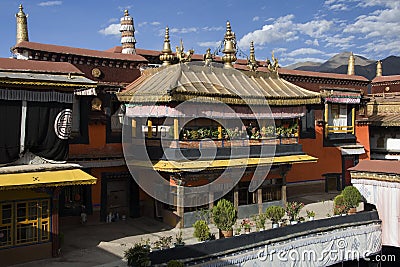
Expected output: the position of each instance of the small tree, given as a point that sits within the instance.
(224, 215)
(351, 196)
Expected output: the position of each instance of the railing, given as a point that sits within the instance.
(197, 144)
(340, 129)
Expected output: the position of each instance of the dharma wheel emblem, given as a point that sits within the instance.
(96, 72)
(63, 124)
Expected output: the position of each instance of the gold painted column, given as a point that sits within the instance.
(134, 129)
(353, 119)
(149, 128)
(219, 131)
(176, 129)
(326, 114)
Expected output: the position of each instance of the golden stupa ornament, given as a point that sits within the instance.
(166, 57)
(229, 47)
(378, 68)
(252, 62)
(22, 25)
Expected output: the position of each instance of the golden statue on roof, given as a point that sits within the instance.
(208, 57)
(181, 55)
(274, 65)
(252, 62)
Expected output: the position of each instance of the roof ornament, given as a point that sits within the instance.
(252, 62)
(350, 67)
(22, 25)
(127, 30)
(378, 68)
(181, 55)
(166, 57)
(272, 65)
(229, 47)
(208, 57)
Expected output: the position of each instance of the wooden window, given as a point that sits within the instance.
(24, 222)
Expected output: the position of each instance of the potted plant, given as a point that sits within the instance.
(247, 224)
(201, 230)
(292, 211)
(310, 215)
(174, 263)
(352, 197)
(179, 240)
(260, 221)
(137, 256)
(224, 216)
(238, 229)
(339, 206)
(165, 242)
(275, 214)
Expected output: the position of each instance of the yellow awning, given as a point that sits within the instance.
(53, 178)
(178, 166)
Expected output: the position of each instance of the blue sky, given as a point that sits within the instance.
(296, 30)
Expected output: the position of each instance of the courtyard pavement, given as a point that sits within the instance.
(103, 244)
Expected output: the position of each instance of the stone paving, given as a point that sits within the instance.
(103, 244)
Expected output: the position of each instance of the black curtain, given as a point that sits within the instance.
(47, 128)
(10, 121)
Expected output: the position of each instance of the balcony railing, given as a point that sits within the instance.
(340, 129)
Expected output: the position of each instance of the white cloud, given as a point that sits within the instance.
(50, 3)
(304, 51)
(209, 44)
(155, 23)
(256, 18)
(213, 28)
(315, 28)
(113, 20)
(183, 30)
(312, 42)
(112, 29)
(123, 8)
(339, 41)
(291, 60)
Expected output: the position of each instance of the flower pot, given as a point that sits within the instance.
(247, 230)
(352, 211)
(179, 244)
(311, 218)
(344, 214)
(293, 222)
(224, 234)
(275, 225)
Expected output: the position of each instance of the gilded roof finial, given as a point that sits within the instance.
(229, 47)
(22, 25)
(127, 30)
(207, 57)
(274, 65)
(350, 67)
(378, 68)
(167, 57)
(252, 62)
(181, 55)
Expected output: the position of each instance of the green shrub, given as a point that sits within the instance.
(275, 213)
(138, 255)
(224, 215)
(201, 230)
(351, 196)
(174, 263)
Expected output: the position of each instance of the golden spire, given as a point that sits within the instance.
(378, 68)
(350, 67)
(229, 47)
(22, 25)
(167, 55)
(252, 62)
